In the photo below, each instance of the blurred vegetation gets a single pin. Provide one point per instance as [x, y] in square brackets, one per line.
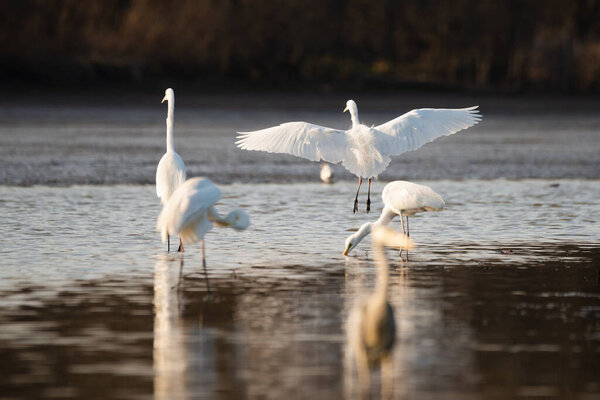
[506, 45]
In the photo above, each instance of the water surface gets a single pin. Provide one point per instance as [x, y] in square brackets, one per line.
[119, 137]
[499, 300]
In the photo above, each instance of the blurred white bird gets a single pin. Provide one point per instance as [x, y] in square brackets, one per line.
[362, 150]
[170, 172]
[326, 173]
[399, 198]
[190, 213]
[371, 329]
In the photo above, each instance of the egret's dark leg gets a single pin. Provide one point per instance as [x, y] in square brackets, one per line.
[356, 197]
[180, 270]
[205, 271]
[369, 197]
[180, 280]
[403, 231]
[408, 235]
[180, 249]
[168, 243]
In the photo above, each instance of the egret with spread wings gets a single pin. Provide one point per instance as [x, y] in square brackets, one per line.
[364, 151]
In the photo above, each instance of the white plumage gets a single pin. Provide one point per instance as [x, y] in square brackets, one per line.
[170, 172]
[408, 198]
[400, 198]
[190, 212]
[364, 151]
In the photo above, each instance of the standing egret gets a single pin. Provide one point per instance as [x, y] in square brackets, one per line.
[326, 173]
[190, 213]
[371, 328]
[400, 198]
[362, 150]
[170, 173]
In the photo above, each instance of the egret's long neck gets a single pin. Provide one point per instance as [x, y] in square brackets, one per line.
[219, 219]
[363, 231]
[354, 116]
[386, 217]
[381, 287]
[214, 216]
[170, 116]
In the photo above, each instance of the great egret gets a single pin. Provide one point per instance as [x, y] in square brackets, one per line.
[170, 172]
[190, 213]
[362, 150]
[326, 173]
[371, 328]
[400, 198]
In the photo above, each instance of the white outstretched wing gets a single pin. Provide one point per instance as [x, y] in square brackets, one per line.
[301, 139]
[418, 127]
[186, 205]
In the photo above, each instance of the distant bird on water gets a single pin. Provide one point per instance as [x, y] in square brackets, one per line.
[364, 151]
[400, 198]
[190, 213]
[371, 329]
[326, 173]
[170, 173]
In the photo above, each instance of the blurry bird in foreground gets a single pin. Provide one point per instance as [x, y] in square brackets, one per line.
[190, 213]
[326, 173]
[170, 172]
[371, 329]
[400, 198]
[364, 151]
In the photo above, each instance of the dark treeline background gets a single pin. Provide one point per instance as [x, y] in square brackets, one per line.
[510, 45]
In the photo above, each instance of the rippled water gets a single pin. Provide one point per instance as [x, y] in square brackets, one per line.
[119, 138]
[499, 300]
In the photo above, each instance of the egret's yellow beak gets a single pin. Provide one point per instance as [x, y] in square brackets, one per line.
[347, 250]
[345, 109]
[164, 98]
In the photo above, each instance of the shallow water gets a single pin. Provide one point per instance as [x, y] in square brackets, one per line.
[119, 137]
[499, 300]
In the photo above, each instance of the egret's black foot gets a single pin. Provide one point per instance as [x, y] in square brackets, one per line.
[368, 205]
[355, 207]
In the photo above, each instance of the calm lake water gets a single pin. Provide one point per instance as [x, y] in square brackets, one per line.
[499, 300]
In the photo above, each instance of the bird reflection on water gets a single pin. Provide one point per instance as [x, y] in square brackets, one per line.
[169, 352]
[371, 328]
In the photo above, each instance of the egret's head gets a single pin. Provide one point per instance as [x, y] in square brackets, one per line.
[353, 240]
[238, 220]
[350, 106]
[169, 95]
[350, 244]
